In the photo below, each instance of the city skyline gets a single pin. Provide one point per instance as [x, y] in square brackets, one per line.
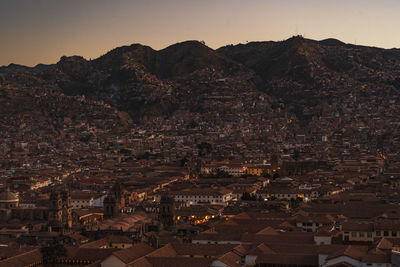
[43, 30]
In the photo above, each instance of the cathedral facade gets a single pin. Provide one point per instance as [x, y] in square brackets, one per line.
[57, 215]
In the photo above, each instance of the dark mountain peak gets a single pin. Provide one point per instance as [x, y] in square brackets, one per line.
[275, 60]
[187, 57]
[296, 39]
[74, 68]
[71, 59]
[72, 63]
[14, 67]
[127, 55]
[128, 50]
[173, 61]
[190, 44]
[300, 44]
[17, 66]
[332, 42]
[43, 66]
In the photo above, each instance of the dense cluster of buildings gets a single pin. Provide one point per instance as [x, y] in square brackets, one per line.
[233, 177]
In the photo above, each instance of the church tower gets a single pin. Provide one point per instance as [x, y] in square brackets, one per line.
[110, 207]
[167, 211]
[60, 211]
[55, 212]
[114, 202]
[66, 209]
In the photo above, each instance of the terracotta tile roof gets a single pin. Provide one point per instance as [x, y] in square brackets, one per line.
[177, 262]
[282, 238]
[250, 226]
[341, 264]
[231, 259]
[95, 264]
[325, 231]
[12, 250]
[286, 225]
[261, 249]
[376, 258]
[354, 226]
[202, 192]
[288, 259]
[78, 237]
[370, 227]
[202, 249]
[316, 218]
[119, 239]
[96, 244]
[126, 222]
[164, 252]
[91, 254]
[267, 231]
[242, 249]
[354, 252]
[26, 258]
[384, 243]
[233, 236]
[130, 254]
[305, 249]
[243, 215]
[141, 262]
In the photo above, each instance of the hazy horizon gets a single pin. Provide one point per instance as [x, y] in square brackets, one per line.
[42, 31]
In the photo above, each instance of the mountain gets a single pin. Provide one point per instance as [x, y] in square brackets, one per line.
[140, 80]
[275, 60]
[189, 76]
[176, 60]
[290, 68]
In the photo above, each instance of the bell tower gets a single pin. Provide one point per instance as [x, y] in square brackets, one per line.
[114, 201]
[167, 211]
[110, 207]
[55, 212]
[66, 209]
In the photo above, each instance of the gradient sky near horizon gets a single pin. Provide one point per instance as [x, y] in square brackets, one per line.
[41, 31]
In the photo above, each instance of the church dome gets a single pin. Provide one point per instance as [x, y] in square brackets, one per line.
[7, 196]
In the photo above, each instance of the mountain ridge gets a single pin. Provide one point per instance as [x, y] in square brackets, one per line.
[142, 81]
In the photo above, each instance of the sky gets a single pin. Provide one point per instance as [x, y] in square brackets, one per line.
[41, 31]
